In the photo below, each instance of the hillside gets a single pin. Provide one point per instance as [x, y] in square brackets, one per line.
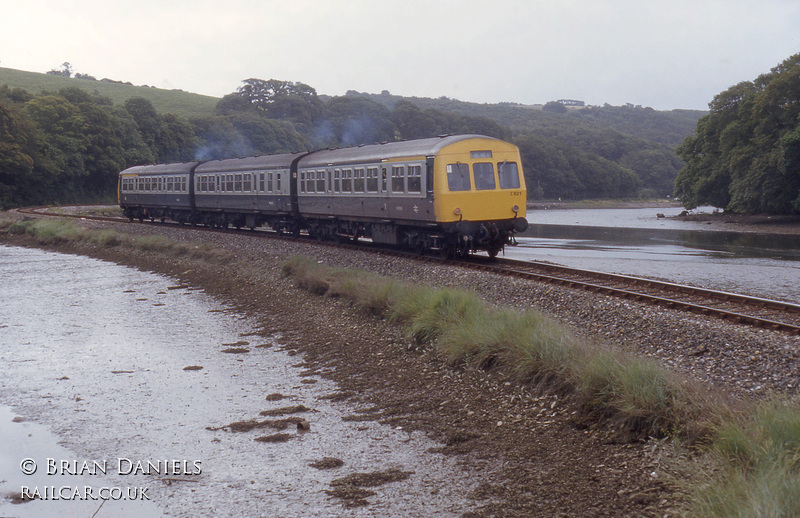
[178, 102]
[611, 152]
[667, 128]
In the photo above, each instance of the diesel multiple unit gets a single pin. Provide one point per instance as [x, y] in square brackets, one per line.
[454, 194]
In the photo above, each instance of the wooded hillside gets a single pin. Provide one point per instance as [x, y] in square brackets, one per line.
[67, 144]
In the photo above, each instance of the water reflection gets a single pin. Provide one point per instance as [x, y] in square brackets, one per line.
[663, 241]
[638, 242]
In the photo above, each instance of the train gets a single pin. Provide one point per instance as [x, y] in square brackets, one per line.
[454, 195]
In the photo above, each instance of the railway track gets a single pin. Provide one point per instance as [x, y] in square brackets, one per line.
[742, 309]
[754, 311]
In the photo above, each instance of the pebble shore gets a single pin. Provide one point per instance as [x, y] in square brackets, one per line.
[511, 434]
[743, 360]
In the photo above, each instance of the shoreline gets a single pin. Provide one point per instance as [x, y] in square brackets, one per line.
[511, 432]
[717, 221]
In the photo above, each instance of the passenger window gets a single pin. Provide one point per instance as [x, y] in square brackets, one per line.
[458, 177]
[229, 187]
[484, 176]
[358, 180]
[320, 181]
[237, 184]
[415, 178]
[398, 179]
[247, 185]
[347, 180]
[372, 179]
[508, 174]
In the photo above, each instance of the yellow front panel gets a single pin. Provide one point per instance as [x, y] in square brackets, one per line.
[474, 204]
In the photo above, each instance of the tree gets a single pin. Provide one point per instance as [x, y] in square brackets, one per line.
[177, 141]
[63, 130]
[66, 70]
[742, 156]
[554, 107]
[17, 152]
[349, 121]
[266, 136]
[234, 103]
[148, 120]
[296, 102]
[412, 122]
[263, 93]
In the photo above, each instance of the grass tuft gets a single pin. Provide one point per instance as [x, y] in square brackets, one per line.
[759, 452]
[640, 396]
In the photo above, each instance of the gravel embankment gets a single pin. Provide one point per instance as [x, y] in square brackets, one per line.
[539, 461]
[741, 359]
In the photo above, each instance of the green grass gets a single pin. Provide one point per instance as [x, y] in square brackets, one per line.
[178, 102]
[759, 456]
[636, 394]
[54, 232]
[756, 448]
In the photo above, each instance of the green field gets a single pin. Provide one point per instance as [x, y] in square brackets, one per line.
[178, 102]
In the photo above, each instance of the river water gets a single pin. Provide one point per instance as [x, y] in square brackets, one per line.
[638, 242]
[93, 386]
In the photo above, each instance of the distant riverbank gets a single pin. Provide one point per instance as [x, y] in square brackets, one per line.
[715, 220]
[601, 204]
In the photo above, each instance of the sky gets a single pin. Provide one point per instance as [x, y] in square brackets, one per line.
[665, 54]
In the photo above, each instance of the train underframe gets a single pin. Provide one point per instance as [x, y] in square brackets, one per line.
[458, 239]
[451, 240]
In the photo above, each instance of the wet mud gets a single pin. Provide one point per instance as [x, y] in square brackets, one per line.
[163, 391]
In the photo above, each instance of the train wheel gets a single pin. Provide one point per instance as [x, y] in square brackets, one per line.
[446, 251]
